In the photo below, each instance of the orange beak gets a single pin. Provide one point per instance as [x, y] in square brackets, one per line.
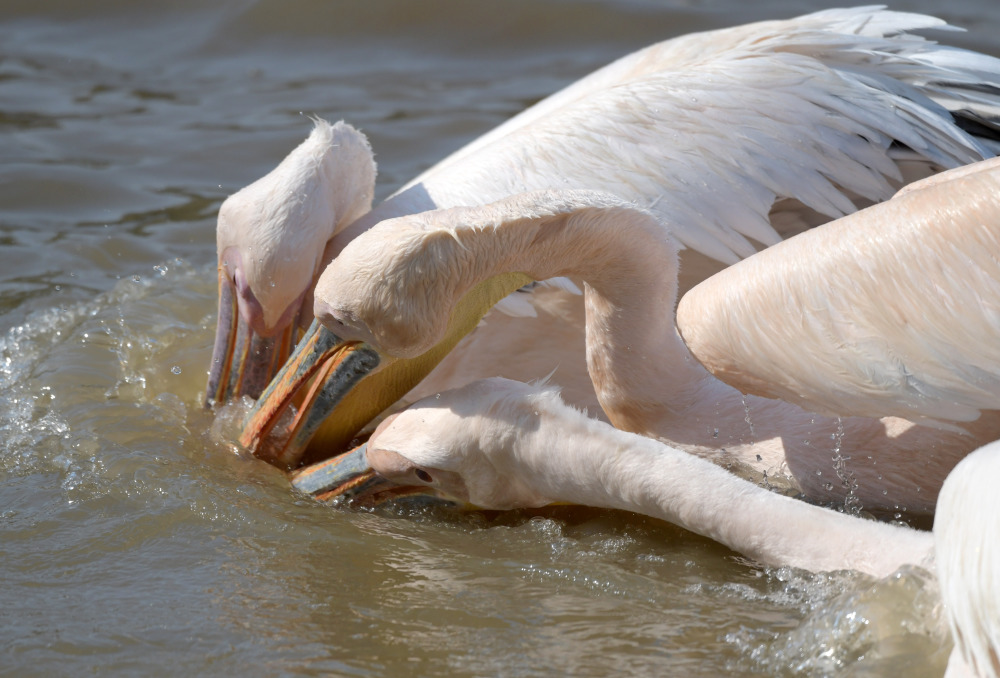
[330, 369]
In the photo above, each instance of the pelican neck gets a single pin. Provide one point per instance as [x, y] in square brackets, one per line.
[615, 469]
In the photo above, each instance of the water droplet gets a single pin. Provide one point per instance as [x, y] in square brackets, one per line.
[827, 486]
[136, 278]
[161, 269]
[852, 504]
[715, 433]
[176, 369]
[746, 418]
[58, 288]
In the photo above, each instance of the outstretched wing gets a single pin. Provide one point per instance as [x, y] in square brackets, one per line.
[894, 310]
[711, 129]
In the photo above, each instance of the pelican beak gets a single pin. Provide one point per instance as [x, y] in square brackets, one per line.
[350, 477]
[349, 384]
[243, 362]
[327, 369]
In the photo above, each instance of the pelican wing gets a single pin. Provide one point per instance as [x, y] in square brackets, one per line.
[692, 49]
[894, 310]
[711, 129]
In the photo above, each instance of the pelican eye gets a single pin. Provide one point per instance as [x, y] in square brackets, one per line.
[424, 476]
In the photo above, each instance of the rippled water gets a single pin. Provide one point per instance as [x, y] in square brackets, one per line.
[135, 540]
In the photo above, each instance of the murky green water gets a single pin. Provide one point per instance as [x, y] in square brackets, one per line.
[134, 540]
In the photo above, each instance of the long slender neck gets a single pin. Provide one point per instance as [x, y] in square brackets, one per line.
[629, 263]
[472, 176]
[593, 464]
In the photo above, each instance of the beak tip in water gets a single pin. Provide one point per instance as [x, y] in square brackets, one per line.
[349, 477]
[323, 367]
[243, 361]
[336, 476]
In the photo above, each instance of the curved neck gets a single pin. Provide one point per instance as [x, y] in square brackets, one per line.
[593, 464]
[629, 263]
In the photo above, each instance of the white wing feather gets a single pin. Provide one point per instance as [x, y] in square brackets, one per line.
[892, 311]
[711, 128]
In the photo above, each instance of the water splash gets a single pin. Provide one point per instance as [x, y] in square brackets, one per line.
[852, 625]
[75, 396]
[746, 418]
[852, 503]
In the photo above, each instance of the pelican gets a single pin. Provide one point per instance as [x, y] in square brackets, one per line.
[753, 132]
[397, 293]
[501, 444]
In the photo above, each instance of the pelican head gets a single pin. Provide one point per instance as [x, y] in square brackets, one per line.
[271, 240]
[461, 445]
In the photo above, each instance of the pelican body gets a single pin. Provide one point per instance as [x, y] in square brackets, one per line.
[968, 563]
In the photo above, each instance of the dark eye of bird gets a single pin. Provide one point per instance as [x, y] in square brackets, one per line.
[424, 475]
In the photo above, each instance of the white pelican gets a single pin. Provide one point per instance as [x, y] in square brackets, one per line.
[501, 444]
[816, 113]
[402, 288]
